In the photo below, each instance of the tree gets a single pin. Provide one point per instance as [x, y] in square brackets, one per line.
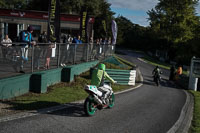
[174, 20]
[71, 6]
[175, 23]
[132, 35]
[106, 14]
[13, 4]
[40, 5]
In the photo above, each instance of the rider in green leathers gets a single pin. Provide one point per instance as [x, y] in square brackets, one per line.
[98, 76]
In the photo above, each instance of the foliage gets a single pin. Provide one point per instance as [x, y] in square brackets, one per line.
[71, 6]
[174, 20]
[104, 14]
[41, 5]
[132, 35]
[195, 126]
[176, 27]
[13, 4]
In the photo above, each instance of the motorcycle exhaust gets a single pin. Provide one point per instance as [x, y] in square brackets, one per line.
[97, 99]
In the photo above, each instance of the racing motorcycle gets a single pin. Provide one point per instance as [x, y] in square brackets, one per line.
[157, 78]
[95, 101]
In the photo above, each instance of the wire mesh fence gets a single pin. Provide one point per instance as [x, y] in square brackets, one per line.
[24, 58]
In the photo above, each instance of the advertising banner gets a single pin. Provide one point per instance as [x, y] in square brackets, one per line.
[83, 26]
[54, 21]
[104, 26]
[114, 31]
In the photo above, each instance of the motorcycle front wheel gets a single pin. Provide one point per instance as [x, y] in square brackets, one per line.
[111, 101]
[89, 106]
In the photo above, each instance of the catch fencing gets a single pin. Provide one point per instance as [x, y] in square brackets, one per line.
[13, 59]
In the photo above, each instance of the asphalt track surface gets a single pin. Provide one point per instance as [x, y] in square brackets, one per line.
[147, 109]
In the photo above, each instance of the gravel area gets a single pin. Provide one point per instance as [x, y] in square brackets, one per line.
[6, 109]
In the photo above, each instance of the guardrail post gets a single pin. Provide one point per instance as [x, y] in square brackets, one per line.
[58, 59]
[32, 58]
[74, 59]
[87, 51]
[104, 50]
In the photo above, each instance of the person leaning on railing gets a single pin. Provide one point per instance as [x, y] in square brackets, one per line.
[6, 46]
[65, 50]
[26, 39]
[48, 55]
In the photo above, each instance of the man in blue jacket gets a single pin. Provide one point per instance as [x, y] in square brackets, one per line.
[77, 40]
[27, 38]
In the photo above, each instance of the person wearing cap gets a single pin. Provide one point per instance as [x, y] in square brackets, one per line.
[98, 77]
[26, 36]
[6, 49]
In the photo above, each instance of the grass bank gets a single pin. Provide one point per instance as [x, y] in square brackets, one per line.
[155, 62]
[195, 127]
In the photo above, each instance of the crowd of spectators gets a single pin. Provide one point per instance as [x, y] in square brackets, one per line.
[18, 54]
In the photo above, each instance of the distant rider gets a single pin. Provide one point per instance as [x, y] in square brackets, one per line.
[98, 76]
[156, 73]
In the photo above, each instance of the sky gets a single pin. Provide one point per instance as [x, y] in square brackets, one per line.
[136, 10]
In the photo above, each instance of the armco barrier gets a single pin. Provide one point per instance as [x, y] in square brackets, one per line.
[39, 81]
[123, 77]
[69, 72]
[14, 86]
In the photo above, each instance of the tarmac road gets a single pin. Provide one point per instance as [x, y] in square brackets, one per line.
[147, 109]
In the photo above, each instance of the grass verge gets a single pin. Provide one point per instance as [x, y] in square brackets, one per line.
[195, 126]
[124, 61]
[155, 62]
[58, 94]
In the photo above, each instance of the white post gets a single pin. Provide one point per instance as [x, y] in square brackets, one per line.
[192, 80]
[18, 30]
[2, 30]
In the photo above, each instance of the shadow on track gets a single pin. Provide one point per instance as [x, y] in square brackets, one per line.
[71, 110]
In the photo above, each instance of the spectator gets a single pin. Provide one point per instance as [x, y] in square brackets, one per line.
[109, 46]
[109, 41]
[65, 50]
[43, 39]
[179, 72]
[105, 45]
[7, 46]
[101, 46]
[98, 46]
[26, 37]
[71, 49]
[91, 48]
[172, 73]
[77, 41]
[48, 55]
[37, 53]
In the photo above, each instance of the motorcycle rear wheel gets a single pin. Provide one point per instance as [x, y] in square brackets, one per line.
[89, 107]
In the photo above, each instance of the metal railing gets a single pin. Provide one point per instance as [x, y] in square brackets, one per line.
[21, 57]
